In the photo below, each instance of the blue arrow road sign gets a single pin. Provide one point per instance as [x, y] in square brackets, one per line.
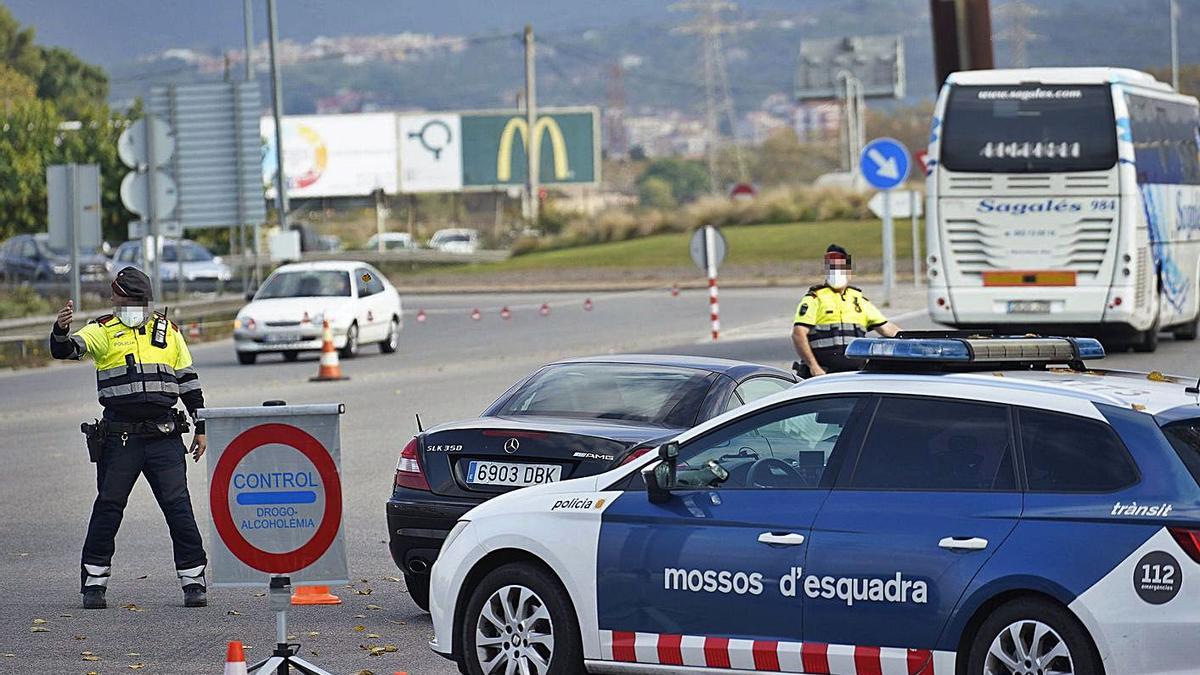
[884, 163]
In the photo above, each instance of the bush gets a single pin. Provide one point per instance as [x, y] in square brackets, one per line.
[19, 301]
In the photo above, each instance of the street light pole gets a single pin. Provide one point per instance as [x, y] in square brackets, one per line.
[281, 202]
[1175, 44]
[532, 139]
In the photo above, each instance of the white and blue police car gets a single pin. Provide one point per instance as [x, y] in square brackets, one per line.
[961, 506]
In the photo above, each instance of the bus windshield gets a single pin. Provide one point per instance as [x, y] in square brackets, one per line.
[1029, 129]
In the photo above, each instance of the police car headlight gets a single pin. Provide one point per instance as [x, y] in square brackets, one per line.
[454, 532]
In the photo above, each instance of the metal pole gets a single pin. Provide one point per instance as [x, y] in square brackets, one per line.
[1175, 44]
[532, 140]
[913, 200]
[380, 216]
[180, 279]
[889, 250]
[248, 24]
[73, 202]
[710, 262]
[152, 217]
[281, 201]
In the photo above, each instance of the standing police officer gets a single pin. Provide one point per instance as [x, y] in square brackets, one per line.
[831, 315]
[142, 368]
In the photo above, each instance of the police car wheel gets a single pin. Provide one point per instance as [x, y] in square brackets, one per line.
[519, 619]
[1030, 636]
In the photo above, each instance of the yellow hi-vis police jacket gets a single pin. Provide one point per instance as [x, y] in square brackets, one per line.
[142, 370]
[834, 318]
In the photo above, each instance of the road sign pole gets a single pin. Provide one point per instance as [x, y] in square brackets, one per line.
[914, 198]
[281, 201]
[533, 141]
[73, 195]
[889, 250]
[152, 203]
[710, 261]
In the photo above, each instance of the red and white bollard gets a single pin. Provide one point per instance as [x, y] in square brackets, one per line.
[674, 290]
[475, 315]
[587, 305]
[714, 306]
[505, 314]
[544, 310]
[420, 316]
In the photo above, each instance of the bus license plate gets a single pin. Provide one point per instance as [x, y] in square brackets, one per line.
[516, 475]
[1029, 307]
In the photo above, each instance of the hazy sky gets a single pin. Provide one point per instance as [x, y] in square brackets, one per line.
[115, 31]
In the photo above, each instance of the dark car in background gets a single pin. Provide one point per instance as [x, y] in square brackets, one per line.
[566, 420]
[29, 258]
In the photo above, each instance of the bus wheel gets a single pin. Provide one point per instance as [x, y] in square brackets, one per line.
[1147, 341]
[1189, 330]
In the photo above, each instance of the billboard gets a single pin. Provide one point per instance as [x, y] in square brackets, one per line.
[485, 150]
[333, 155]
[431, 153]
[876, 60]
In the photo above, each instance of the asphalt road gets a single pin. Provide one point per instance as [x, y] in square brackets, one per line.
[448, 367]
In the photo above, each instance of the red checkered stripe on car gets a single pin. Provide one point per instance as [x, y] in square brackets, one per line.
[812, 658]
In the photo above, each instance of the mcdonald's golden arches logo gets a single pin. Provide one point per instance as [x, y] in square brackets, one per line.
[544, 125]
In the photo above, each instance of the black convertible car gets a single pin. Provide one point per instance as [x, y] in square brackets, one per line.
[568, 419]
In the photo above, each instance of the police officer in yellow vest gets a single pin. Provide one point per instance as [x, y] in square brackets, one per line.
[831, 315]
[142, 368]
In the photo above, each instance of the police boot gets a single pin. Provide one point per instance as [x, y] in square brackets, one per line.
[93, 598]
[194, 596]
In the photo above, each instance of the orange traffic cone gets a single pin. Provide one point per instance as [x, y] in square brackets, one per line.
[314, 595]
[235, 659]
[330, 369]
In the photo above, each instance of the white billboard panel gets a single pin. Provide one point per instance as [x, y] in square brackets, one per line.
[430, 153]
[334, 155]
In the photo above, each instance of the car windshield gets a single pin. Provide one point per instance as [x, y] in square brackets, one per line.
[191, 253]
[1029, 129]
[453, 238]
[655, 394]
[311, 283]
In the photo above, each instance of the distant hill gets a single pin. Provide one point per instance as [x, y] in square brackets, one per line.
[580, 41]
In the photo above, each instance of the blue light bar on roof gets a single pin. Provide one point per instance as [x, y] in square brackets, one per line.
[922, 349]
[977, 350]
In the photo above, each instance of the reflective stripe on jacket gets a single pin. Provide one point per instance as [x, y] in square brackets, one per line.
[834, 318]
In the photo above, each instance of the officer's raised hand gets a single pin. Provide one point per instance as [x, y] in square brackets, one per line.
[199, 445]
[66, 314]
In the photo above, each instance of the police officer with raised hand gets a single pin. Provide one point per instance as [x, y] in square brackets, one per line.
[831, 315]
[142, 368]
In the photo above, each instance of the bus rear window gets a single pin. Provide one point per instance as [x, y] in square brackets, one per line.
[1184, 436]
[1029, 129]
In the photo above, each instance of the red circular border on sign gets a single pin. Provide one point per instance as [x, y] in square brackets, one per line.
[265, 561]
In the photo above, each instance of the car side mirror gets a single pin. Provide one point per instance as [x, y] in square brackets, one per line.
[661, 479]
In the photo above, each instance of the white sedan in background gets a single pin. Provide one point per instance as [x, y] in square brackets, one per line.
[286, 315]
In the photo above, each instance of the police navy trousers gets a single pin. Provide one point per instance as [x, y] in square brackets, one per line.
[162, 460]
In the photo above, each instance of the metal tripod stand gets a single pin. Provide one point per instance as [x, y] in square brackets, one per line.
[284, 658]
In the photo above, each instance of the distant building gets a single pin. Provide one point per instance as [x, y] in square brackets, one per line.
[817, 120]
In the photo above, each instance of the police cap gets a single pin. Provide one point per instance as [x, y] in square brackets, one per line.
[133, 284]
[835, 252]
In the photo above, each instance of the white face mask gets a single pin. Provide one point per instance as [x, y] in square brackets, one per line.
[837, 279]
[132, 316]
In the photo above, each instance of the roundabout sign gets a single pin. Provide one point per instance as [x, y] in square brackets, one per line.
[275, 494]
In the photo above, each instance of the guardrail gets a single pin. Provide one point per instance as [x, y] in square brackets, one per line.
[38, 327]
[420, 255]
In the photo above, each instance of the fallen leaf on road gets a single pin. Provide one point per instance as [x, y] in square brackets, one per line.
[360, 616]
[392, 579]
[91, 657]
[314, 652]
[132, 607]
[365, 672]
[390, 648]
[374, 607]
[363, 591]
[313, 633]
[65, 616]
[92, 672]
[365, 581]
[39, 622]
[144, 576]
[23, 554]
[86, 653]
[136, 666]
[373, 636]
[376, 651]
[233, 612]
[79, 637]
[133, 654]
[260, 595]
[8, 656]
[398, 623]
[39, 629]
[359, 629]
[291, 637]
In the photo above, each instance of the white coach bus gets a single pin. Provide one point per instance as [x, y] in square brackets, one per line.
[1065, 200]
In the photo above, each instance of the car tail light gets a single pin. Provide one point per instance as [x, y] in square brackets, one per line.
[1188, 540]
[635, 453]
[408, 469]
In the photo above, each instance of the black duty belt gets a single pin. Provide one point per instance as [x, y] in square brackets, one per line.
[163, 426]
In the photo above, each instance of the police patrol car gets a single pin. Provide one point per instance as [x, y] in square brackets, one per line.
[960, 506]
